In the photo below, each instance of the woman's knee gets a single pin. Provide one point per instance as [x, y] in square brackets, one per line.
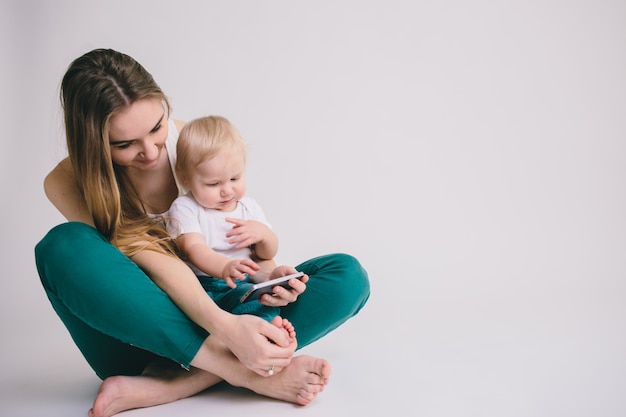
[72, 235]
[357, 284]
[348, 278]
[353, 268]
[351, 271]
[66, 248]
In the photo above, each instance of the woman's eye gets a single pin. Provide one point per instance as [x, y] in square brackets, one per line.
[123, 146]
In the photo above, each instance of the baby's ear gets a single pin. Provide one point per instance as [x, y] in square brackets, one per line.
[182, 177]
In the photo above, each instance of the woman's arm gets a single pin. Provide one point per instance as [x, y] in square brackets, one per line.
[62, 191]
[245, 335]
[178, 281]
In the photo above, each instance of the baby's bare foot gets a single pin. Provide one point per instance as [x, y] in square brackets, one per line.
[286, 325]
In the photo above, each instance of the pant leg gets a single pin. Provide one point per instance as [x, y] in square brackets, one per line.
[227, 298]
[338, 288]
[116, 315]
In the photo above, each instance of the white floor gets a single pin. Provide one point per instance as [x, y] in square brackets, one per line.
[55, 381]
[421, 359]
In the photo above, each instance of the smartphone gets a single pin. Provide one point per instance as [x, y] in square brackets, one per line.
[265, 287]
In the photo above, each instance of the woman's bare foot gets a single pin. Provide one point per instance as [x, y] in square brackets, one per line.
[298, 383]
[161, 382]
[116, 394]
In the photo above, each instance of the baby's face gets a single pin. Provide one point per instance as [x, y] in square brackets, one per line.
[219, 183]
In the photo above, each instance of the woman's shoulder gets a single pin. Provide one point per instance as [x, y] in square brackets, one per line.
[179, 124]
[59, 180]
[61, 189]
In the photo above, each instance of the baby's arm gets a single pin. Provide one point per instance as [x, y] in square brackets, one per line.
[212, 263]
[255, 234]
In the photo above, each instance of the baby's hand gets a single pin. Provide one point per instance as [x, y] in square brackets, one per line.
[236, 269]
[246, 232]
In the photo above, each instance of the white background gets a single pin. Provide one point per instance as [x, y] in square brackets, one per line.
[471, 154]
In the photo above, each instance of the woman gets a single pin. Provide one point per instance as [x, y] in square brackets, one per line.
[137, 313]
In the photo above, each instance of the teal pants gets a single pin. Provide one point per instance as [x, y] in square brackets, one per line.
[120, 320]
[228, 298]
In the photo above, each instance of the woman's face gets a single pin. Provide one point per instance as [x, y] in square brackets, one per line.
[137, 134]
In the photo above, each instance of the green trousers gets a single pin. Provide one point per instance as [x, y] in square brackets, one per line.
[120, 320]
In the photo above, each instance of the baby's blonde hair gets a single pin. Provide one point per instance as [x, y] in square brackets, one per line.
[202, 139]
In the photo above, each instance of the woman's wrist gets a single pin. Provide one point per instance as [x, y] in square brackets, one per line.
[217, 321]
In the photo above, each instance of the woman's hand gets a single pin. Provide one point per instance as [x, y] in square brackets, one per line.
[282, 296]
[259, 345]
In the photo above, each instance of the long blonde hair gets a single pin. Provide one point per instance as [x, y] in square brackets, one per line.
[97, 85]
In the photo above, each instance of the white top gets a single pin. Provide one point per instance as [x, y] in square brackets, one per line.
[187, 216]
[170, 145]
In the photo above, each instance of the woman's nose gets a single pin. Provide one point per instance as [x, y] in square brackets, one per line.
[150, 150]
